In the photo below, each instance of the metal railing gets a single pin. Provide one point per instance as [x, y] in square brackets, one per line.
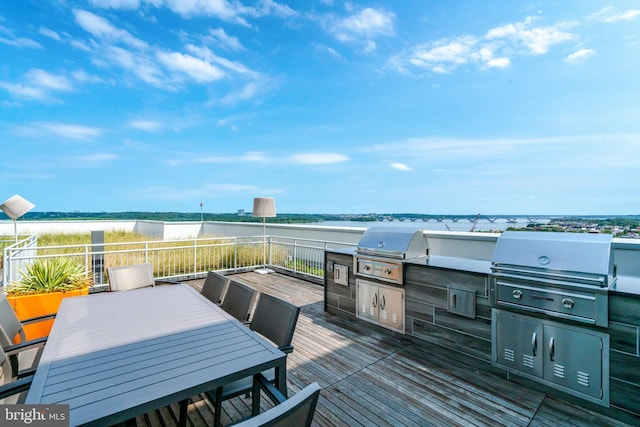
[180, 259]
[19, 252]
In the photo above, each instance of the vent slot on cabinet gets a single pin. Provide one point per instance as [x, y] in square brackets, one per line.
[558, 370]
[583, 378]
[509, 355]
[527, 360]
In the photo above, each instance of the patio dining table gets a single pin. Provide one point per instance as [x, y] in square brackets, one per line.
[116, 355]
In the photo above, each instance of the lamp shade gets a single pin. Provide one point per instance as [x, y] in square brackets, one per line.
[16, 206]
[264, 207]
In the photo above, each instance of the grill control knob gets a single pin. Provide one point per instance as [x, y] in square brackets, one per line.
[387, 271]
[568, 303]
[517, 294]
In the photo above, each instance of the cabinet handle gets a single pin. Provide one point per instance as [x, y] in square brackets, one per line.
[552, 349]
[382, 302]
[374, 300]
[534, 344]
[453, 299]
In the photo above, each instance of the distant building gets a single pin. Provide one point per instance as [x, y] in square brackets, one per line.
[241, 212]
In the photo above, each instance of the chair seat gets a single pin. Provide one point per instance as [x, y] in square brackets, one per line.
[29, 358]
[241, 386]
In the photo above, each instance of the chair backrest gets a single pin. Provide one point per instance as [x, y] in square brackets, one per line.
[238, 300]
[8, 376]
[213, 287]
[275, 319]
[130, 277]
[296, 411]
[10, 326]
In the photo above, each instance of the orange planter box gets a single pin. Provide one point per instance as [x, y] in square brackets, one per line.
[28, 306]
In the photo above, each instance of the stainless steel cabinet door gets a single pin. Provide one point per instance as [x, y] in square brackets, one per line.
[391, 307]
[573, 360]
[519, 344]
[368, 300]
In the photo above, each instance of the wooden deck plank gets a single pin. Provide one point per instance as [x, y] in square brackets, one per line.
[371, 378]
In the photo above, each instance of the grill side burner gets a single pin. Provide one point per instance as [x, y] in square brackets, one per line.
[565, 275]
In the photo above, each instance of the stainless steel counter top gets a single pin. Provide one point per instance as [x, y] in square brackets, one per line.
[627, 285]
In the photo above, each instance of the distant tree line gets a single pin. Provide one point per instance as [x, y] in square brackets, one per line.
[174, 216]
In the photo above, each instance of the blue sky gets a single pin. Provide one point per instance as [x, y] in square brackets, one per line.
[423, 106]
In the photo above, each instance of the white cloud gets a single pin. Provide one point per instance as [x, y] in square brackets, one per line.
[608, 15]
[49, 33]
[197, 69]
[84, 133]
[139, 64]
[116, 4]
[362, 27]
[26, 92]
[207, 55]
[499, 63]
[39, 85]
[95, 158]
[495, 49]
[538, 40]
[146, 125]
[271, 8]
[21, 42]
[105, 31]
[47, 81]
[401, 167]
[181, 193]
[83, 77]
[317, 158]
[220, 38]
[580, 55]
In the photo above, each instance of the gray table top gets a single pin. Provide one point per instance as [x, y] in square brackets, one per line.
[113, 356]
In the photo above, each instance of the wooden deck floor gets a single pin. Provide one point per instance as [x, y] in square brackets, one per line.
[371, 379]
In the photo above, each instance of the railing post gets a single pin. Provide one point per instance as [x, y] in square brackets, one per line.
[195, 255]
[235, 253]
[295, 255]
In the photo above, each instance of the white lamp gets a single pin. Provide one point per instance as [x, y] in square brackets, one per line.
[14, 207]
[264, 207]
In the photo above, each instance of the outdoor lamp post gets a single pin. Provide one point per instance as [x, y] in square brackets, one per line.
[264, 207]
[14, 207]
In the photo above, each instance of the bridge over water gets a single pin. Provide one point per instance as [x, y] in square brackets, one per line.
[512, 219]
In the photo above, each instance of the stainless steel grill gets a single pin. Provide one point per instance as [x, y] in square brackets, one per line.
[382, 250]
[563, 275]
[379, 268]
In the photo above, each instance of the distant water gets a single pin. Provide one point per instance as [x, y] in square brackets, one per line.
[463, 224]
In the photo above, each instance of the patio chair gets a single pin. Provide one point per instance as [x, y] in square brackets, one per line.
[274, 319]
[22, 353]
[214, 286]
[132, 277]
[295, 411]
[238, 300]
[13, 384]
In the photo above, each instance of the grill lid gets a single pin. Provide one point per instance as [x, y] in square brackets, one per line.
[562, 252]
[393, 242]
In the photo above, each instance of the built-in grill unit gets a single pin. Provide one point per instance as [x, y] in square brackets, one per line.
[564, 275]
[378, 265]
[382, 250]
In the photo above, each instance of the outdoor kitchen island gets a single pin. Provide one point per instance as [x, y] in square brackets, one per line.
[449, 302]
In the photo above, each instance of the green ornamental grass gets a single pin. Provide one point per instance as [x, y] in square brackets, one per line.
[51, 275]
